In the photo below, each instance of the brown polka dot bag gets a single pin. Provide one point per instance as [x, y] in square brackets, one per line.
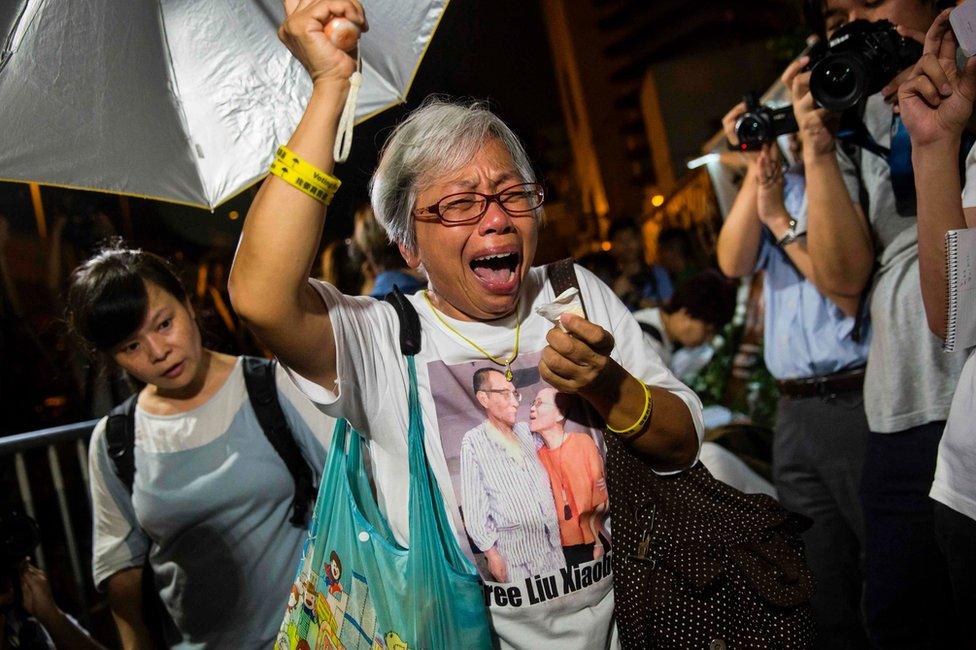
[698, 564]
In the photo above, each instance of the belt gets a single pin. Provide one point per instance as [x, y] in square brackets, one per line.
[825, 386]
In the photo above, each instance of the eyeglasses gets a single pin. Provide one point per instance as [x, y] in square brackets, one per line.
[507, 393]
[467, 207]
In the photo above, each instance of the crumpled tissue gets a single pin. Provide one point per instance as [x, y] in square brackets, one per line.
[568, 301]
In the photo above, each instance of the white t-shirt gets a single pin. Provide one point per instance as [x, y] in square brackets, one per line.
[663, 346]
[909, 381]
[955, 479]
[571, 607]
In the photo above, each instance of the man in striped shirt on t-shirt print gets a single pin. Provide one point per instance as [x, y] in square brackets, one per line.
[505, 492]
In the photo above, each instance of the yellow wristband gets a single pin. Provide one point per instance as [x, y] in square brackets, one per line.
[304, 176]
[637, 426]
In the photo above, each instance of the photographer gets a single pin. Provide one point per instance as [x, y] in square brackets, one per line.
[29, 617]
[936, 104]
[637, 284]
[36, 621]
[821, 430]
[873, 253]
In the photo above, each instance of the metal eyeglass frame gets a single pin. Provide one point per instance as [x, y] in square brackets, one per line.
[512, 393]
[435, 210]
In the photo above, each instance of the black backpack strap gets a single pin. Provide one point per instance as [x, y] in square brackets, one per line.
[562, 276]
[409, 322]
[651, 331]
[120, 439]
[259, 377]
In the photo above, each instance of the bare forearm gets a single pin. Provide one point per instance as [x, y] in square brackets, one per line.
[838, 237]
[799, 253]
[738, 242]
[66, 633]
[125, 601]
[283, 227]
[669, 439]
[940, 209]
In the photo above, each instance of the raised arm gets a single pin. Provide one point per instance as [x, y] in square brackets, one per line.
[39, 602]
[740, 237]
[773, 215]
[838, 235]
[269, 279]
[936, 103]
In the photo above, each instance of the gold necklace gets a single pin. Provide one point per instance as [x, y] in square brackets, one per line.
[489, 356]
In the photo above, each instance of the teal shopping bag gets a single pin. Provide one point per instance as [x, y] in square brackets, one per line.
[357, 588]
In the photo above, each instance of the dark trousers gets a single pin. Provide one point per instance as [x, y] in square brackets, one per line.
[818, 455]
[908, 600]
[956, 534]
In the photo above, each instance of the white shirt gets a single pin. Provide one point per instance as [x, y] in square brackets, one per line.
[372, 395]
[955, 477]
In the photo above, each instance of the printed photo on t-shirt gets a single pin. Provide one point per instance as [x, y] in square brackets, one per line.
[527, 466]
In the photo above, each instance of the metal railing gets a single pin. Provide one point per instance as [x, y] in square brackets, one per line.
[72, 434]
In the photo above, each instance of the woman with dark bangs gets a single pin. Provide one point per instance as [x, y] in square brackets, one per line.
[207, 513]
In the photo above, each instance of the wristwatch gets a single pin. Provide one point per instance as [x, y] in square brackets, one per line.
[790, 236]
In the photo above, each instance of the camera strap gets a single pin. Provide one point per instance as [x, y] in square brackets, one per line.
[854, 132]
[899, 157]
[902, 172]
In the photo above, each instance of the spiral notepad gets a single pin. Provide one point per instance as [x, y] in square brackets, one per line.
[961, 274]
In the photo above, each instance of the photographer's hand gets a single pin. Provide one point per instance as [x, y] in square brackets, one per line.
[838, 238]
[773, 213]
[937, 100]
[38, 601]
[936, 104]
[728, 126]
[791, 72]
[817, 125]
[769, 198]
[740, 238]
[890, 91]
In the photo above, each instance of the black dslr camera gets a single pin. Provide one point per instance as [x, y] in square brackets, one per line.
[762, 124]
[858, 61]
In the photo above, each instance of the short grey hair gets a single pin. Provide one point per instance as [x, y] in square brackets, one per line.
[436, 139]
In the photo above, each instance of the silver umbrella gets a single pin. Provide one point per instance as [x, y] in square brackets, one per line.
[177, 100]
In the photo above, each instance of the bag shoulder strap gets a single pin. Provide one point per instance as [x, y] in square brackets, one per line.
[651, 331]
[120, 439]
[409, 322]
[562, 276]
[259, 378]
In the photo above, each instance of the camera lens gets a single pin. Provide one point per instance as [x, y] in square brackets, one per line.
[751, 130]
[837, 82]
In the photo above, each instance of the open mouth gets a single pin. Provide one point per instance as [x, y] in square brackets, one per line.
[498, 272]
